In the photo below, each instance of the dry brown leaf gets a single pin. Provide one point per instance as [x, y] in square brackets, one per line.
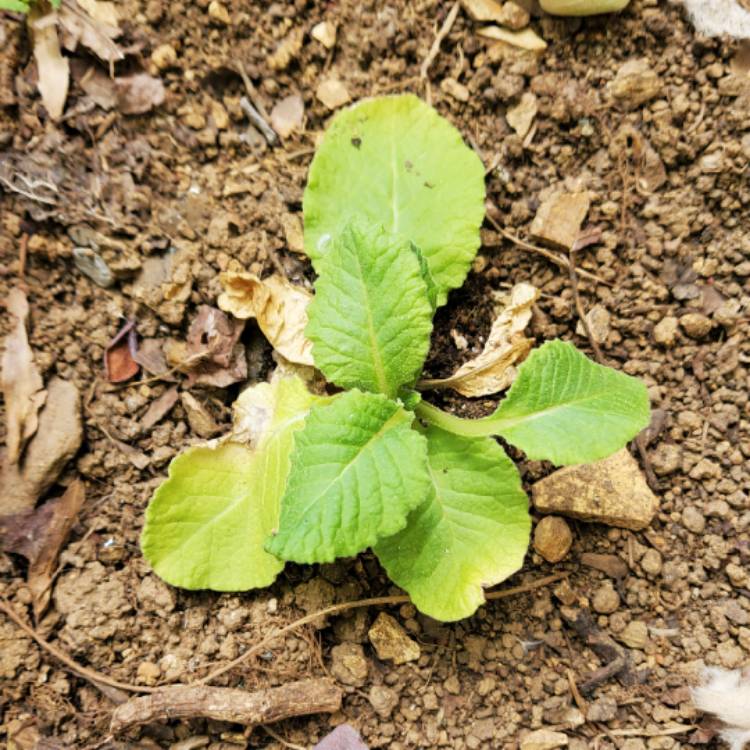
[492, 370]
[23, 388]
[279, 307]
[93, 25]
[139, 93]
[159, 408]
[119, 362]
[39, 535]
[521, 115]
[56, 441]
[52, 68]
[214, 354]
[526, 39]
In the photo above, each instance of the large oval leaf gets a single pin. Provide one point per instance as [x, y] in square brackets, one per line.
[358, 469]
[395, 161]
[206, 525]
[472, 533]
[370, 319]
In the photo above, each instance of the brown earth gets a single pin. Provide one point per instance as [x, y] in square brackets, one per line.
[668, 180]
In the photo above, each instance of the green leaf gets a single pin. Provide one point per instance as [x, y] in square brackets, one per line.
[358, 468]
[370, 319]
[14, 5]
[395, 161]
[472, 533]
[206, 525]
[432, 290]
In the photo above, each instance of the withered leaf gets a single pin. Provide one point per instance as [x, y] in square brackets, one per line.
[139, 93]
[93, 25]
[119, 361]
[22, 384]
[39, 535]
[159, 408]
[279, 307]
[213, 349]
[53, 69]
[493, 370]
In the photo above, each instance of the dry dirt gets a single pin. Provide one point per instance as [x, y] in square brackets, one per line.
[670, 193]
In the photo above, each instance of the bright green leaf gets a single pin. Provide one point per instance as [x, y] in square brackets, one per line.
[370, 319]
[562, 408]
[206, 525]
[358, 468]
[472, 533]
[395, 161]
[14, 5]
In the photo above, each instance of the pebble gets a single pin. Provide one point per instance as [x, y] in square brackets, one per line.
[635, 83]
[613, 566]
[603, 709]
[559, 217]
[287, 115]
[598, 320]
[332, 93]
[325, 33]
[693, 520]
[666, 459]
[730, 654]
[718, 509]
[612, 491]
[521, 116]
[696, 325]
[635, 634]
[455, 89]
[553, 538]
[148, 673]
[164, 56]
[651, 562]
[383, 700]
[391, 641]
[605, 600]
[543, 739]
[91, 264]
[665, 331]
[737, 575]
[199, 418]
[706, 469]
[219, 13]
[349, 665]
[219, 115]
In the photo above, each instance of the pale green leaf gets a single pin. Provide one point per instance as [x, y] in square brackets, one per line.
[358, 468]
[395, 161]
[14, 5]
[370, 319]
[207, 523]
[472, 533]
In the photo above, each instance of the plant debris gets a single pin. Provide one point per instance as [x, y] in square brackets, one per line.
[344, 737]
[119, 355]
[726, 694]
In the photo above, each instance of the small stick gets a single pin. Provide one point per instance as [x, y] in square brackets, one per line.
[445, 29]
[257, 120]
[556, 259]
[281, 740]
[22, 255]
[299, 698]
[579, 309]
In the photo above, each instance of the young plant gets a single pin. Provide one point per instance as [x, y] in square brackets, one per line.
[392, 212]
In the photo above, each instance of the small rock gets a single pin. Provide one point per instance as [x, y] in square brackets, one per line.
[598, 319]
[91, 264]
[612, 491]
[508, 14]
[344, 737]
[706, 469]
[148, 673]
[219, 13]
[730, 654]
[522, 114]
[455, 89]
[666, 459]
[605, 600]
[452, 685]
[558, 219]
[543, 739]
[693, 520]
[603, 709]
[287, 115]
[349, 665]
[325, 33]
[219, 115]
[665, 331]
[383, 700]
[696, 325]
[194, 120]
[288, 49]
[635, 634]
[164, 56]
[651, 562]
[611, 565]
[391, 641]
[738, 576]
[513, 16]
[635, 83]
[552, 538]
[200, 420]
[332, 93]
[293, 232]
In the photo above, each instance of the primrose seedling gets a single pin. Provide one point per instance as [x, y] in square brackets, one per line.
[392, 212]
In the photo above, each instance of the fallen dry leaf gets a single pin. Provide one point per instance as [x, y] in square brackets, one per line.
[55, 442]
[492, 370]
[52, 68]
[150, 356]
[92, 25]
[279, 307]
[139, 93]
[159, 408]
[119, 361]
[526, 39]
[23, 388]
[39, 535]
[214, 354]
[522, 114]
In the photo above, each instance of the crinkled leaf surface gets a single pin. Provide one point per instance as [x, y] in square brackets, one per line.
[395, 161]
[567, 409]
[206, 525]
[370, 319]
[358, 468]
[473, 532]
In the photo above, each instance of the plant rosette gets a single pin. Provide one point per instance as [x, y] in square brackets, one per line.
[392, 212]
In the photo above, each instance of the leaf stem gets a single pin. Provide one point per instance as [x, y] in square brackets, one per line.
[458, 426]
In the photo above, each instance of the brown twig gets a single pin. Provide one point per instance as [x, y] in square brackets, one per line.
[579, 308]
[281, 740]
[558, 260]
[301, 698]
[23, 247]
[445, 29]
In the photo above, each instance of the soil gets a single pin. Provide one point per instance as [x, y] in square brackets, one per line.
[674, 241]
